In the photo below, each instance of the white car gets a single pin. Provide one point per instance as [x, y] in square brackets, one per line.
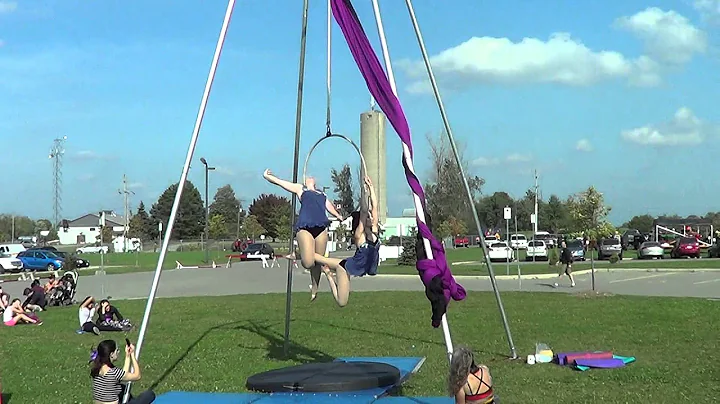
[536, 249]
[8, 263]
[92, 250]
[499, 251]
[518, 242]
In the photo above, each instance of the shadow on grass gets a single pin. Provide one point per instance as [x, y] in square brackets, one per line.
[276, 344]
[5, 398]
[187, 352]
[400, 337]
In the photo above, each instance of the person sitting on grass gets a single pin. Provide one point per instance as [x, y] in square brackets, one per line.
[110, 319]
[86, 314]
[468, 382]
[366, 259]
[52, 284]
[15, 315]
[35, 297]
[4, 300]
[107, 379]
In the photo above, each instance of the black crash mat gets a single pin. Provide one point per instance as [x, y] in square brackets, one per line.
[325, 377]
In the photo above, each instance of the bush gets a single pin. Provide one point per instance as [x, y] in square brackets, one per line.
[70, 262]
[553, 257]
[614, 258]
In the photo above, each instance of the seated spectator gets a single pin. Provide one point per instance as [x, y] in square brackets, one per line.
[35, 300]
[4, 300]
[86, 314]
[108, 380]
[52, 284]
[110, 319]
[468, 382]
[15, 315]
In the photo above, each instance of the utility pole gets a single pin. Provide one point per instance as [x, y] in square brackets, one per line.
[535, 226]
[12, 236]
[125, 192]
[207, 208]
[237, 230]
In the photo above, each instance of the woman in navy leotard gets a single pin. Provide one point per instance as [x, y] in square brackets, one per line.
[312, 223]
[367, 247]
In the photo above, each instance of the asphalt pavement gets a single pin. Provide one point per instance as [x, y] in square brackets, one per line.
[252, 278]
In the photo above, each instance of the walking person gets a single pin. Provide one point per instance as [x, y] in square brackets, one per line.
[566, 259]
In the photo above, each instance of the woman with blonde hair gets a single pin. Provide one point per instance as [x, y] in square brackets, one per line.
[468, 382]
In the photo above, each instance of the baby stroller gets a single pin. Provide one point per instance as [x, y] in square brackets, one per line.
[64, 293]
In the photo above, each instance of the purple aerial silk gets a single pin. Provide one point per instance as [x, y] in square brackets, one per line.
[380, 88]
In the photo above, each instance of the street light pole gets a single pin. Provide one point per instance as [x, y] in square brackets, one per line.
[207, 208]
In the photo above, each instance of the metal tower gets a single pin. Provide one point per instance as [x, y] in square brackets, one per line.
[125, 192]
[56, 154]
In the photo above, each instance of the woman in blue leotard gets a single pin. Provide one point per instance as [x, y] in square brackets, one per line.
[312, 223]
[365, 261]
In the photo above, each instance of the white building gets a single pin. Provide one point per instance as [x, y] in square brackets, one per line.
[86, 229]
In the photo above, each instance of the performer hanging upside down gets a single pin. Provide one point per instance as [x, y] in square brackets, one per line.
[312, 223]
[367, 247]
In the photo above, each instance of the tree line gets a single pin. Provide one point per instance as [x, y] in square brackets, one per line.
[271, 215]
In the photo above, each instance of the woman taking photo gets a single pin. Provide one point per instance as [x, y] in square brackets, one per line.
[107, 380]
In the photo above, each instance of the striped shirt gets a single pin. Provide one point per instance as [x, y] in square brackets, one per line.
[106, 388]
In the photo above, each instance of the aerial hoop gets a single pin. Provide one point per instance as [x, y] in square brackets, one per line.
[363, 195]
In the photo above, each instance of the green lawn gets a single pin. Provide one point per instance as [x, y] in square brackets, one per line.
[215, 343]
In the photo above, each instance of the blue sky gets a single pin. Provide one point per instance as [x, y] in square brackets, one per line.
[620, 95]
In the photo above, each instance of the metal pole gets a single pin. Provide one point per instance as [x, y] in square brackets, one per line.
[518, 257]
[298, 121]
[446, 123]
[207, 215]
[507, 234]
[181, 184]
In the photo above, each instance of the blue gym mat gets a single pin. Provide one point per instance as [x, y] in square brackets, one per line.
[407, 367]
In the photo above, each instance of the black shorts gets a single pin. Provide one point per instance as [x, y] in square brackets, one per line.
[314, 231]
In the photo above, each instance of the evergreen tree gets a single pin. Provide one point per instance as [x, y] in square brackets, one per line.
[227, 205]
[190, 219]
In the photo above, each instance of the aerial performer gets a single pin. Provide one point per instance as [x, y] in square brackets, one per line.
[311, 225]
[366, 238]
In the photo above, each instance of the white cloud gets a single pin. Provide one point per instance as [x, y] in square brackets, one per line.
[560, 60]
[669, 40]
[709, 9]
[7, 7]
[668, 36]
[684, 129]
[510, 159]
[583, 145]
[224, 171]
[136, 185]
[89, 155]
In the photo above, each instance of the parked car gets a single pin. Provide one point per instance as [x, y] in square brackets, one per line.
[255, 250]
[714, 251]
[608, 247]
[629, 238]
[79, 262]
[38, 260]
[462, 241]
[499, 251]
[8, 263]
[536, 249]
[650, 249]
[686, 247]
[518, 242]
[576, 249]
[92, 250]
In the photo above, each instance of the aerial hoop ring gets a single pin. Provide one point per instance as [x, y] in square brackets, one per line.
[363, 194]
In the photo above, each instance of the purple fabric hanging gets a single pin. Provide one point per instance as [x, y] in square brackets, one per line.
[432, 272]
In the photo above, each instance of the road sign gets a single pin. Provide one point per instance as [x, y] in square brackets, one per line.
[507, 213]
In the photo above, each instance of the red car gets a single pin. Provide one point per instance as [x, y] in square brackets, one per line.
[686, 247]
[461, 241]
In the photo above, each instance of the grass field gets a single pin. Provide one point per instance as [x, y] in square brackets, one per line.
[214, 344]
